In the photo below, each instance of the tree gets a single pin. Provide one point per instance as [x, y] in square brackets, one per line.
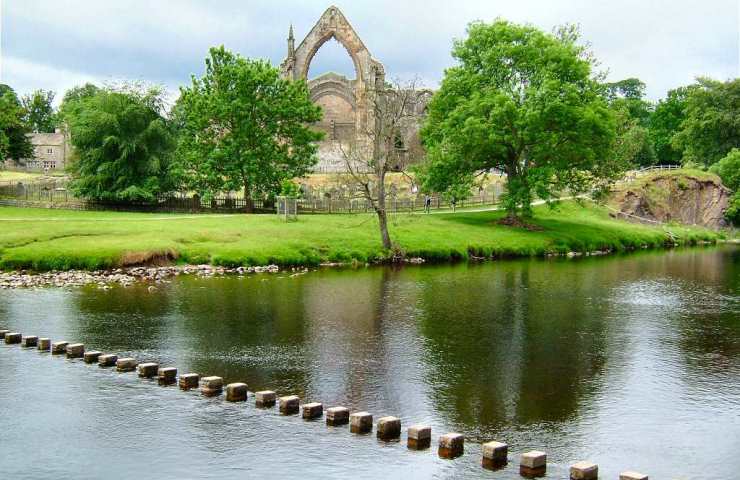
[243, 127]
[380, 148]
[711, 128]
[633, 113]
[73, 97]
[14, 141]
[123, 143]
[665, 122]
[38, 112]
[524, 102]
[728, 170]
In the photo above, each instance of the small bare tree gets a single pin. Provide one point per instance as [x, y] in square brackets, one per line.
[381, 147]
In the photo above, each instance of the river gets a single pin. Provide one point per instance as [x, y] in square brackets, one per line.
[632, 362]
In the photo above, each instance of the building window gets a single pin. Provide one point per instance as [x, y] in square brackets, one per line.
[49, 151]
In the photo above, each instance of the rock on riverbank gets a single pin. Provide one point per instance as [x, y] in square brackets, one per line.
[119, 276]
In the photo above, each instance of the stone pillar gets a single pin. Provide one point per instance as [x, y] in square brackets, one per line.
[75, 350]
[336, 416]
[148, 370]
[289, 405]
[361, 422]
[265, 399]
[58, 348]
[30, 341]
[420, 437]
[451, 445]
[533, 464]
[92, 357]
[584, 471]
[312, 411]
[389, 428]
[212, 386]
[495, 455]
[44, 344]
[167, 376]
[13, 338]
[189, 381]
[236, 392]
[108, 360]
[126, 364]
[632, 476]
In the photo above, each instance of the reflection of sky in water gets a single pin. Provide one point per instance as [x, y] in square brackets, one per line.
[631, 362]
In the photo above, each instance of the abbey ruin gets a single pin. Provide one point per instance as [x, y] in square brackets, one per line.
[347, 103]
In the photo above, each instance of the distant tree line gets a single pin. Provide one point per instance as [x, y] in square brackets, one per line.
[520, 100]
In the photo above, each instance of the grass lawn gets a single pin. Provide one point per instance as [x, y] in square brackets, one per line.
[42, 239]
[9, 176]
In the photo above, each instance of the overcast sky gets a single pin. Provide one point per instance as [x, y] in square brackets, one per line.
[56, 44]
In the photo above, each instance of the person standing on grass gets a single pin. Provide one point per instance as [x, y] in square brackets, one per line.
[427, 204]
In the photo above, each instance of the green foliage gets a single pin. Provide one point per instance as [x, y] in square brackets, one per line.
[39, 114]
[123, 143]
[711, 127]
[72, 100]
[244, 127]
[633, 113]
[665, 122]
[524, 102]
[290, 189]
[108, 239]
[728, 170]
[14, 142]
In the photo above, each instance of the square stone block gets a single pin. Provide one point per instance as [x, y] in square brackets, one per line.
[419, 437]
[167, 376]
[30, 341]
[388, 428]
[13, 338]
[336, 416]
[75, 350]
[148, 370]
[495, 454]
[629, 475]
[361, 422]
[289, 405]
[211, 386]
[189, 381]
[533, 459]
[44, 344]
[236, 392]
[58, 348]
[265, 399]
[584, 471]
[92, 357]
[107, 360]
[451, 445]
[313, 410]
[126, 364]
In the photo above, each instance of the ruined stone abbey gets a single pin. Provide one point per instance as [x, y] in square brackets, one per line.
[347, 104]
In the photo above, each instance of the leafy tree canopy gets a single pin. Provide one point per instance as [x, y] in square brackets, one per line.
[728, 170]
[665, 122]
[14, 142]
[711, 128]
[525, 102]
[123, 144]
[39, 114]
[243, 127]
[73, 97]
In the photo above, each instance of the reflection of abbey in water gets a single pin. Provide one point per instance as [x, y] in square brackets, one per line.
[347, 104]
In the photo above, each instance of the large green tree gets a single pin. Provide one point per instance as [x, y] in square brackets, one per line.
[14, 142]
[525, 102]
[38, 111]
[243, 127]
[711, 128]
[123, 144]
[665, 122]
[633, 113]
[728, 169]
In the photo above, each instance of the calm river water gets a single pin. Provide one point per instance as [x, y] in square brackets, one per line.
[632, 362]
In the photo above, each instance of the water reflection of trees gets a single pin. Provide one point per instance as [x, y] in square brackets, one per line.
[516, 344]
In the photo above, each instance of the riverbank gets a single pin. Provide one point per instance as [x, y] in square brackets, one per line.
[43, 240]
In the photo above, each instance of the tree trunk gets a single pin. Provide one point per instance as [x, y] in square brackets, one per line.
[382, 214]
[248, 203]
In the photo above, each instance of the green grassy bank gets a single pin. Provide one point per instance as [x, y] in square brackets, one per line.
[41, 239]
